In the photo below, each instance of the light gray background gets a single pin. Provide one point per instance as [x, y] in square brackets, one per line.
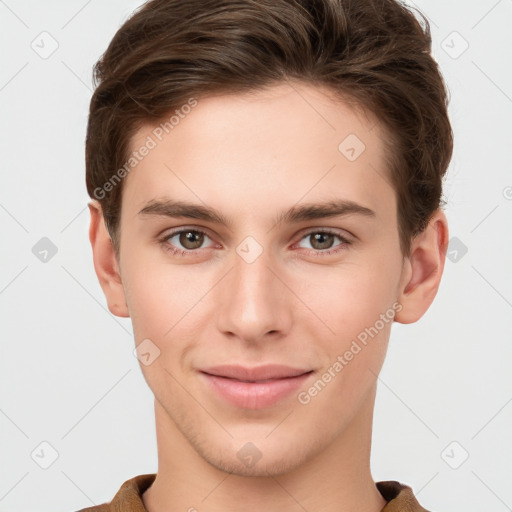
[68, 374]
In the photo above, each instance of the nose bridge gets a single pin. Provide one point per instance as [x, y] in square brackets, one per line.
[252, 302]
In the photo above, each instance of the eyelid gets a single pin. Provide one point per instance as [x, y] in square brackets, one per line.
[342, 233]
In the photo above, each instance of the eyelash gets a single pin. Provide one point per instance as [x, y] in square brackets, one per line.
[180, 252]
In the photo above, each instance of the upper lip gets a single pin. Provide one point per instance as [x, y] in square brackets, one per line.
[258, 373]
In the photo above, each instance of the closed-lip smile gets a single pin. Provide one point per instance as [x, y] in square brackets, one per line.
[257, 387]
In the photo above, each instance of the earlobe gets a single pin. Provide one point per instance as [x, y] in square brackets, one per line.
[105, 262]
[423, 270]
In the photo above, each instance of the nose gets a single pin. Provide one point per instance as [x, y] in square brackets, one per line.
[253, 303]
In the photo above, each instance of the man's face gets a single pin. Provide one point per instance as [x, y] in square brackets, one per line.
[302, 292]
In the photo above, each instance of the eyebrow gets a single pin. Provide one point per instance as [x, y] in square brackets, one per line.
[304, 212]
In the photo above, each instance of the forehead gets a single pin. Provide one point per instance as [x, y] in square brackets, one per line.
[263, 148]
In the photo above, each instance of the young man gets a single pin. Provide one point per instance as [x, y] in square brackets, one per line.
[266, 183]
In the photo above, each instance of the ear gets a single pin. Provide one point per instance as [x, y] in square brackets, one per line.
[105, 262]
[423, 269]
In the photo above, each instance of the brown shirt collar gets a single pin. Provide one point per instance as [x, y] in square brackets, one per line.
[129, 497]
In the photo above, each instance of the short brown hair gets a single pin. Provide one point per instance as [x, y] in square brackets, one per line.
[375, 52]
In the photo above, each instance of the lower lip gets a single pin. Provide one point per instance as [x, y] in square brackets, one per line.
[255, 395]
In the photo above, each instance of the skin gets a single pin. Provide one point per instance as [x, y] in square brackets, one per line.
[252, 156]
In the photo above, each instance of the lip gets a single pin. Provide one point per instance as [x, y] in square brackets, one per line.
[254, 388]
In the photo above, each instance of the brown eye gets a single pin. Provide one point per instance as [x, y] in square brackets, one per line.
[191, 239]
[321, 240]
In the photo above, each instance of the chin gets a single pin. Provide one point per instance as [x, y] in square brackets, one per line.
[250, 461]
[270, 468]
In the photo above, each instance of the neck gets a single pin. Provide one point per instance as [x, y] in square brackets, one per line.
[336, 480]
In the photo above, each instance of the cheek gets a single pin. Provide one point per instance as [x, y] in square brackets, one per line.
[359, 310]
[347, 299]
[159, 294]
[167, 306]
[161, 303]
